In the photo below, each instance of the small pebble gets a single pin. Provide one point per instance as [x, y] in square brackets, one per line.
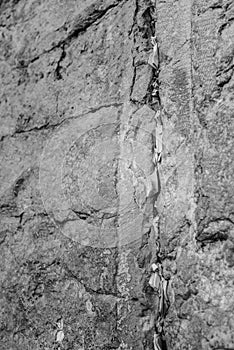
[60, 336]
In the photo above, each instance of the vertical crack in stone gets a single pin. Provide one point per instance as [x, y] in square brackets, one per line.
[157, 285]
[141, 31]
[57, 73]
[134, 43]
[157, 280]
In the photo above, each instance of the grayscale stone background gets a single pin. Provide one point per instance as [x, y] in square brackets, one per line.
[77, 126]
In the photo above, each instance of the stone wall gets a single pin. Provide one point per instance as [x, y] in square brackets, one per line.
[116, 188]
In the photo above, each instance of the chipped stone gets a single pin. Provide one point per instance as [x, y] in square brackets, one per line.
[155, 281]
[153, 60]
[154, 267]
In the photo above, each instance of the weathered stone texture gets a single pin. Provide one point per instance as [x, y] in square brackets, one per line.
[107, 241]
[197, 202]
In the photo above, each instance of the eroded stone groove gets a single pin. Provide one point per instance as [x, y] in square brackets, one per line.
[155, 286]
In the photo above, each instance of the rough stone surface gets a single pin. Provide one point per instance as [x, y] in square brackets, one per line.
[116, 186]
